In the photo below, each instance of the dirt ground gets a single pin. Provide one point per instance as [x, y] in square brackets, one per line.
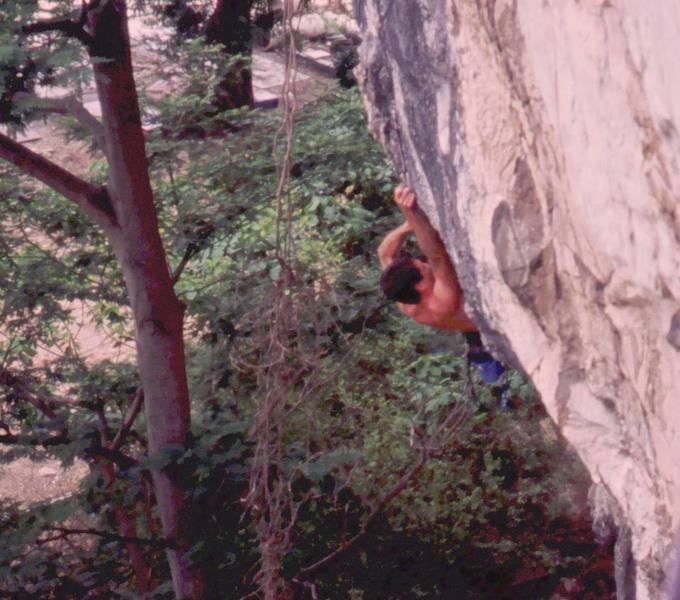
[28, 482]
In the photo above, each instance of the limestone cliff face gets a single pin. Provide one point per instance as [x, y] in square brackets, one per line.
[542, 139]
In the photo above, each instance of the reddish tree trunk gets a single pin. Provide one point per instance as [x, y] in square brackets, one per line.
[125, 211]
[126, 528]
[157, 313]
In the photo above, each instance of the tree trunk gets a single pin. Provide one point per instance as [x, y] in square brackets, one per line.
[126, 525]
[126, 213]
[157, 313]
[230, 25]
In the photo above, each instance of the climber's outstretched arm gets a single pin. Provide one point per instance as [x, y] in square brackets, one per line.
[428, 239]
[447, 290]
[390, 246]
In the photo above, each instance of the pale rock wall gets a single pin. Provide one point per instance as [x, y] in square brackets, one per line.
[542, 139]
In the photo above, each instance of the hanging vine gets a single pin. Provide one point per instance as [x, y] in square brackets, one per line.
[282, 352]
[281, 359]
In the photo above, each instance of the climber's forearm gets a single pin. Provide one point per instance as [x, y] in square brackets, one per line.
[391, 245]
[427, 237]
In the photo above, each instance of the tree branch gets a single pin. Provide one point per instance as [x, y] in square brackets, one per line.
[399, 487]
[95, 451]
[23, 389]
[130, 417]
[113, 456]
[63, 532]
[69, 27]
[20, 389]
[191, 251]
[56, 440]
[67, 106]
[432, 447]
[109, 451]
[94, 200]
[103, 426]
[9, 439]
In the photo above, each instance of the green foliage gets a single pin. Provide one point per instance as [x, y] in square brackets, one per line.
[38, 561]
[44, 60]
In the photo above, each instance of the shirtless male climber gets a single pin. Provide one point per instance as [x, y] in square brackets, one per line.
[427, 289]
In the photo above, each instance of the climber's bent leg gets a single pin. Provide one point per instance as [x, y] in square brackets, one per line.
[489, 369]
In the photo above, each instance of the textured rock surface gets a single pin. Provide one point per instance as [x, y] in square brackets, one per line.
[542, 140]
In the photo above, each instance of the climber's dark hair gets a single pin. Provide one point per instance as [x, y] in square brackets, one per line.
[398, 281]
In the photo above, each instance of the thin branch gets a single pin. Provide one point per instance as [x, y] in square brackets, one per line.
[21, 389]
[191, 251]
[399, 487]
[56, 440]
[10, 346]
[68, 27]
[94, 200]
[433, 446]
[130, 417]
[103, 426]
[96, 451]
[44, 403]
[62, 401]
[114, 456]
[68, 105]
[63, 532]
[61, 439]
